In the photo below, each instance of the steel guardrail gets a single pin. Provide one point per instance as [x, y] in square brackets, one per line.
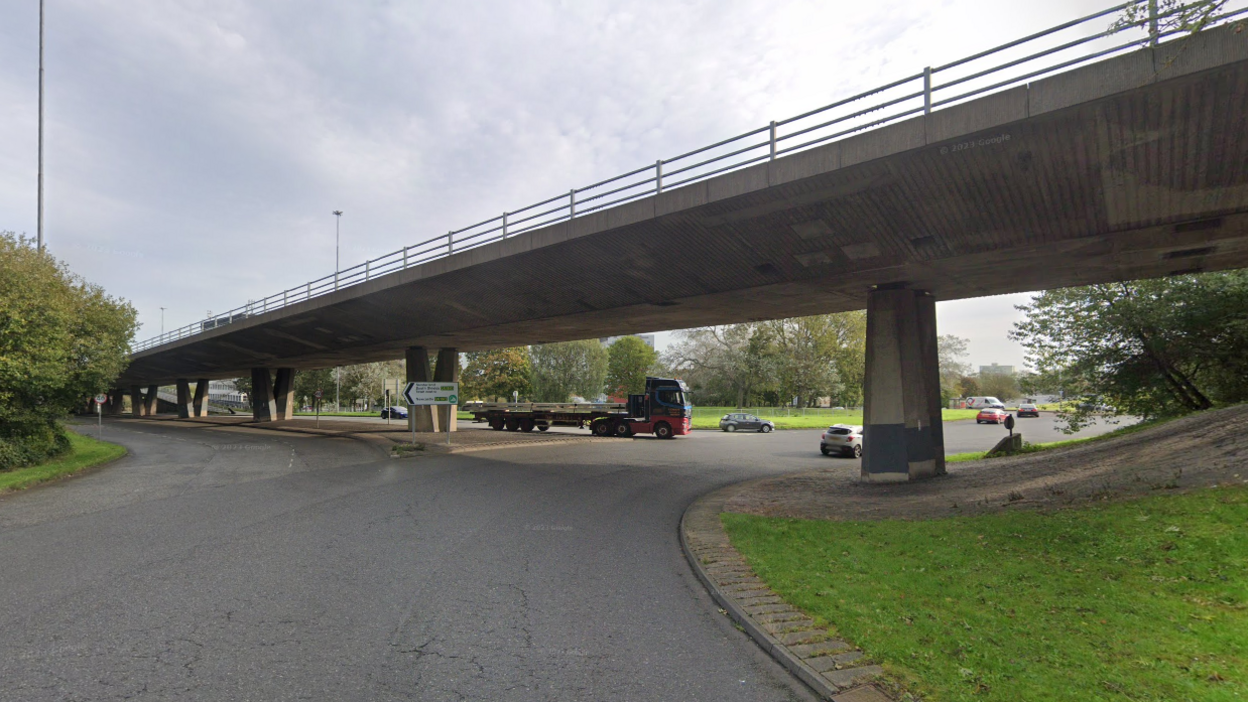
[919, 93]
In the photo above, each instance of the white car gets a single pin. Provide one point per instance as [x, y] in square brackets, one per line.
[842, 439]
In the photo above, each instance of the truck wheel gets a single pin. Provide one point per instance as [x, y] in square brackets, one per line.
[526, 425]
[622, 428]
[543, 427]
[663, 430]
[512, 424]
[601, 427]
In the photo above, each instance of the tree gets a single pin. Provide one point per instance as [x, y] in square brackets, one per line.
[363, 382]
[496, 373]
[307, 382]
[1149, 348]
[950, 351]
[998, 385]
[568, 368]
[62, 340]
[629, 361]
[726, 364]
[806, 350]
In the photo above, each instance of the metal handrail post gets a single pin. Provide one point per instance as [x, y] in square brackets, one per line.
[773, 140]
[658, 176]
[504, 225]
[927, 90]
[450, 243]
[572, 203]
[405, 257]
[367, 266]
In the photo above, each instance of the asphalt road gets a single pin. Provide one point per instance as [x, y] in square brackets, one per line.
[235, 564]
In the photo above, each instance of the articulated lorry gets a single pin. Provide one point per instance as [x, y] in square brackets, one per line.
[663, 410]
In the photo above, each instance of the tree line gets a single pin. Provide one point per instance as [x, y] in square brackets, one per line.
[62, 340]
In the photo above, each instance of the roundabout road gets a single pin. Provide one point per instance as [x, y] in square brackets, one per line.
[240, 564]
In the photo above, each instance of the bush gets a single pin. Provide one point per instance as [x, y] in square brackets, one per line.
[27, 442]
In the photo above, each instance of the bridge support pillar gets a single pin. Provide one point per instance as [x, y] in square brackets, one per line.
[113, 406]
[136, 401]
[284, 393]
[151, 400]
[419, 418]
[447, 371]
[263, 406]
[903, 438]
[199, 404]
[184, 398]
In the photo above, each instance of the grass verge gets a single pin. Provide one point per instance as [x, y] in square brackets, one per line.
[84, 452]
[1136, 601]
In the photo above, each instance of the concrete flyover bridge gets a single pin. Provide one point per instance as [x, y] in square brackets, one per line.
[1061, 159]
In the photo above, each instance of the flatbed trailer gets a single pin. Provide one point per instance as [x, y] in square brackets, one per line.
[663, 411]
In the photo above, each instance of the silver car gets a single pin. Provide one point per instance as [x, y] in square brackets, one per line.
[739, 421]
[842, 439]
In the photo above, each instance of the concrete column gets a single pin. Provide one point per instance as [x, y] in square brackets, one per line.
[199, 405]
[263, 407]
[447, 370]
[284, 393]
[418, 371]
[903, 435]
[136, 401]
[151, 401]
[113, 406]
[184, 398]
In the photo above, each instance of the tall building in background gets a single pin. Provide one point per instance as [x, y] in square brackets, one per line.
[994, 369]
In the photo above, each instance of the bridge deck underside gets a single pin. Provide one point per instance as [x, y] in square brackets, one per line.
[1142, 183]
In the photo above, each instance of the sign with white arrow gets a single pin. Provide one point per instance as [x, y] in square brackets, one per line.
[436, 393]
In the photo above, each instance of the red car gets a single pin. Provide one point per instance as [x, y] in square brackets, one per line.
[991, 416]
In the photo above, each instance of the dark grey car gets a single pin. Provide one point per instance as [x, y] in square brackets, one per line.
[740, 421]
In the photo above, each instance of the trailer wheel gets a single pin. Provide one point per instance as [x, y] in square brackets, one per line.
[622, 428]
[543, 427]
[511, 424]
[496, 424]
[526, 425]
[601, 427]
[663, 430]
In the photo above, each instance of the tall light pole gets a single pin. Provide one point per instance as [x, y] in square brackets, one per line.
[337, 369]
[40, 196]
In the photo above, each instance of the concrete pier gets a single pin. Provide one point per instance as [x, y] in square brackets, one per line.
[263, 405]
[284, 393]
[136, 401]
[184, 399]
[903, 438]
[447, 371]
[199, 404]
[420, 418]
[151, 400]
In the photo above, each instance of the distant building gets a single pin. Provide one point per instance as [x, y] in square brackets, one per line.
[224, 391]
[994, 369]
[648, 338]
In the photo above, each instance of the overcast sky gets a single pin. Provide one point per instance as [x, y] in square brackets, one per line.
[195, 149]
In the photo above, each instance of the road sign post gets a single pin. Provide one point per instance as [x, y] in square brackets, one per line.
[99, 413]
[435, 393]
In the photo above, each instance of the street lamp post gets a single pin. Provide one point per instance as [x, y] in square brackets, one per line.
[40, 196]
[337, 369]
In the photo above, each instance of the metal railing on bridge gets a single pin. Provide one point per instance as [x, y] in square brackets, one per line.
[1043, 53]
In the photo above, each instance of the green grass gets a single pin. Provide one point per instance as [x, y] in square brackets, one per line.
[1134, 601]
[708, 417]
[84, 452]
